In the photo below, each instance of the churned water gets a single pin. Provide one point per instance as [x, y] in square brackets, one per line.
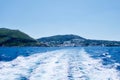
[66, 63]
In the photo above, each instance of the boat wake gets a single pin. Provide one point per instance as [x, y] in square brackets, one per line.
[66, 64]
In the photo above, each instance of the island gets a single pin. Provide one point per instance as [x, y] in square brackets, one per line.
[10, 38]
[71, 40]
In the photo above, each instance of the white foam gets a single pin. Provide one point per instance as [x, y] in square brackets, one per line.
[87, 68]
[67, 64]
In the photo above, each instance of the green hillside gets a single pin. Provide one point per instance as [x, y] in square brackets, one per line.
[10, 37]
[74, 40]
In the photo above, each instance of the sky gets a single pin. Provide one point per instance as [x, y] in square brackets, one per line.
[91, 19]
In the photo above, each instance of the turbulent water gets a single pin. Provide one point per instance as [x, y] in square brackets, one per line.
[80, 63]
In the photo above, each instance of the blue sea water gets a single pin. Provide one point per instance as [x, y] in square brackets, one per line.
[10, 53]
[77, 63]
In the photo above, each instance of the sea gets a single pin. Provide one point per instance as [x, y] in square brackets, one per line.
[59, 63]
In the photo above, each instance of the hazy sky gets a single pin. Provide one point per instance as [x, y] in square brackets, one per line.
[94, 19]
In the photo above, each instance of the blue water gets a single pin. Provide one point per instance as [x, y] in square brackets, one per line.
[10, 53]
[109, 55]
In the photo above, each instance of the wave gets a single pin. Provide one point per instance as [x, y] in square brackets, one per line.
[65, 64]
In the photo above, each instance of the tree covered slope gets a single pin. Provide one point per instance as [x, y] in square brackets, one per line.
[10, 37]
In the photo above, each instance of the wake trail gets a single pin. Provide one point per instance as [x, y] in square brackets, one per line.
[52, 68]
[45, 66]
[66, 64]
[83, 67]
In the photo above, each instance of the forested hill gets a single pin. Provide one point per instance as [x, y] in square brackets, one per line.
[75, 40]
[10, 37]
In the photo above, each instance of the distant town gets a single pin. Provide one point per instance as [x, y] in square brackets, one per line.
[11, 38]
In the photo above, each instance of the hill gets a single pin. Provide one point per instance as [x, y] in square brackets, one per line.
[10, 37]
[74, 40]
